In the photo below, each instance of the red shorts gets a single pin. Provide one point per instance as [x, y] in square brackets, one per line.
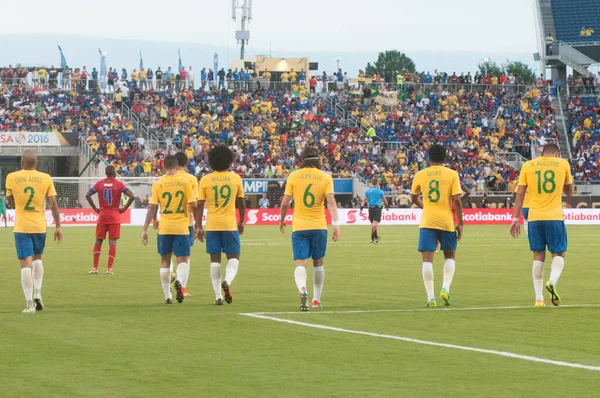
[113, 230]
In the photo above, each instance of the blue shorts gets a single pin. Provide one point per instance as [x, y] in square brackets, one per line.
[551, 234]
[29, 244]
[525, 213]
[309, 244]
[176, 244]
[429, 237]
[227, 242]
[192, 236]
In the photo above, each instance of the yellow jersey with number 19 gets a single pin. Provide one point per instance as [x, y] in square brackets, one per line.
[545, 179]
[29, 188]
[194, 182]
[220, 191]
[438, 185]
[173, 194]
[309, 187]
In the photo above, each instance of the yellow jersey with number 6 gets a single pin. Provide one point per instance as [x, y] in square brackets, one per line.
[438, 185]
[545, 179]
[29, 188]
[173, 194]
[220, 191]
[309, 187]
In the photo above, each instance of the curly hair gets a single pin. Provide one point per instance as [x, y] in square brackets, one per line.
[220, 158]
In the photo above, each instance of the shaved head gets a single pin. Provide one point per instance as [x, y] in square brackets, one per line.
[29, 159]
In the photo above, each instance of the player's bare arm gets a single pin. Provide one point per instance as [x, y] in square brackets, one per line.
[285, 206]
[363, 204]
[131, 198]
[569, 190]
[56, 215]
[241, 205]
[88, 197]
[466, 192]
[150, 215]
[417, 201]
[333, 210]
[198, 217]
[458, 209]
[386, 204]
[515, 227]
[10, 200]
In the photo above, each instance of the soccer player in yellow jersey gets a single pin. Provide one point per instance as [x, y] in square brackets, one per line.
[27, 190]
[182, 163]
[173, 195]
[220, 191]
[440, 187]
[545, 179]
[309, 187]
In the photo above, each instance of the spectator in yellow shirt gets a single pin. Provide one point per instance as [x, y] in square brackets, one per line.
[293, 76]
[285, 77]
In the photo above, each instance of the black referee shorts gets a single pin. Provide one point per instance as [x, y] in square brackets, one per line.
[375, 214]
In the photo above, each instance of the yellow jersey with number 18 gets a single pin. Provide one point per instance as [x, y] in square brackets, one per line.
[173, 194]
[545, 179]
[29, 188]
[309, 187]
[438, 185]
[220, 191]
[194, 182]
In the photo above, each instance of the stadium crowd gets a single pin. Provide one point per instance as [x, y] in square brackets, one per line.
[585, 129]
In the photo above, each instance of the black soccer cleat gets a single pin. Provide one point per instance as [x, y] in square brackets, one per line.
[218, 302]
[227, 292]
[376, 240]
[179, 292]
[304, 301]
[168, 301]
[39, 305]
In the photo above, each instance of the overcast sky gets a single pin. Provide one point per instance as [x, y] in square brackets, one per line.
[308, 25]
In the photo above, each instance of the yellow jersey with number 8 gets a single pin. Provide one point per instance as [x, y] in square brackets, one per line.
[173, 194]
[309, 187]
[220, 191]
[545, 179]
[29, 188]
[438, 185]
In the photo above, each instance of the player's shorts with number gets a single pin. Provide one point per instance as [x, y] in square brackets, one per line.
[179, 245]
[29, 244]
[227, 242]
[429, 237]
[309, 244]
[192, 236]
[113, 231]
[547, 233]
[525, 213]
[375, 214]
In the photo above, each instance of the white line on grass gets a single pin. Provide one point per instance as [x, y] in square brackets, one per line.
[513, 307]
[429, 343]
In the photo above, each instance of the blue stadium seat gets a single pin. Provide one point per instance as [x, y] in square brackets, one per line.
[571, 15]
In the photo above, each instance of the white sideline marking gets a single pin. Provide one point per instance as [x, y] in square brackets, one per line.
[429, 343]
[513, 307]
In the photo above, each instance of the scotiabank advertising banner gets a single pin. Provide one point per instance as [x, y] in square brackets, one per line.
[347, 217]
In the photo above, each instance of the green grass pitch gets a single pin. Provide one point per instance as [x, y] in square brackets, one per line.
[104, 335]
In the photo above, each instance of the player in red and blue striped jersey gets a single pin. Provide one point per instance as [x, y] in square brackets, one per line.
[109, 192]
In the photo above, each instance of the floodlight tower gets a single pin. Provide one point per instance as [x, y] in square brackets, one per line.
[242, 10]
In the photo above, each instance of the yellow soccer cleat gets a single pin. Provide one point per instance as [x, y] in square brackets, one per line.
[446, 297]
[431, 303]
[540, 303]
[552, 289]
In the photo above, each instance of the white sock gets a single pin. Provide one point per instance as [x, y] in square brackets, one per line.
[27, 284]
[449, 267]
[537, 273]
[558, 263]
[171, 266]
[231, 269]
[318, 280]
[525, 223]
[183, 270]
[428, 280]
[165, 280]
[38, 277]
[300, 277]
[215, 276]
[187, 276]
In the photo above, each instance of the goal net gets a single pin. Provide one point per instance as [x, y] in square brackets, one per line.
[71, 190]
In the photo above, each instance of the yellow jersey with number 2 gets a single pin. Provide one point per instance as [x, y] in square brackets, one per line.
[438, 185]
[173, 194]
[220, 191]
[29, 188]
[309, 187]
[545, 179]
[194, 182]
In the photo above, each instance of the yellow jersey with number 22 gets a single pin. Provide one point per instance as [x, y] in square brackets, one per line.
[438, 185]
[194, 182]
[173, 194]
[309, 187]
